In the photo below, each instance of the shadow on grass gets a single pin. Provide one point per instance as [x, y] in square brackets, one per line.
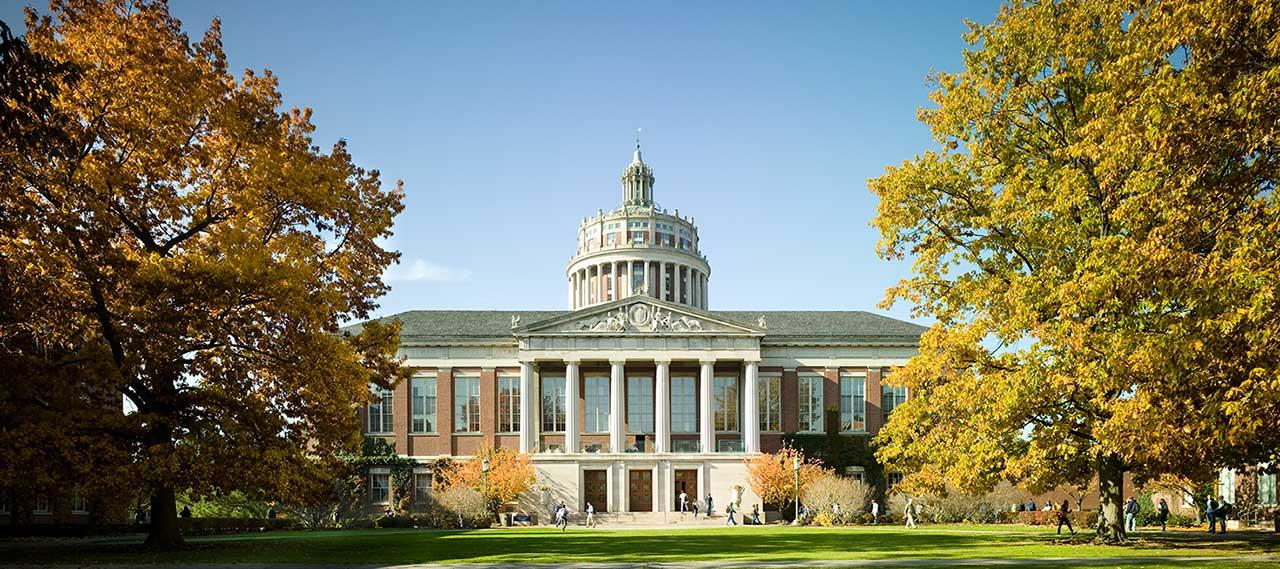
[550, 546]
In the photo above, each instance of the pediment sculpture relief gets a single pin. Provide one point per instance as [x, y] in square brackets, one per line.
[639, 318]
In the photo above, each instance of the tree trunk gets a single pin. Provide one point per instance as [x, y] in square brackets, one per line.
[1111, 498]
[164, 519]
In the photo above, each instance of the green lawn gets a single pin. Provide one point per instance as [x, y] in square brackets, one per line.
[772, 543]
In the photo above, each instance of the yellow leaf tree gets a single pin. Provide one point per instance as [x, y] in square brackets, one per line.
[170, 235]
[510, 474]
[1096, 236]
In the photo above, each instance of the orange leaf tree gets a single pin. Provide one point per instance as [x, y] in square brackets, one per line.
[773, 476]
[510, 474]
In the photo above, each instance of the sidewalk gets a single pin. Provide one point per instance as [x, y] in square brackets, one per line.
[975, 562]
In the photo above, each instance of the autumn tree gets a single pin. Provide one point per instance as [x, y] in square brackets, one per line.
[773, 476]
[169, 235]
[1096, 236]
[510, 474]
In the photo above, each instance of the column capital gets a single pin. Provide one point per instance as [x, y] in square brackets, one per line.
[662, 361]
[618, 361]
[707, 361]
[572, 361]
[751, 361]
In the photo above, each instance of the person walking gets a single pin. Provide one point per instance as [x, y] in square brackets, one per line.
[1162, 514]
[562, 516]
[684, 502]
[755, 514]
[694, 506]
[1224, 510]
[1031, 504]
[709, 505]
[1064, 517]
[591, 515]
[1131, 509]
[1211, 513]
[729, 511]
[910, 512]
[875, 512]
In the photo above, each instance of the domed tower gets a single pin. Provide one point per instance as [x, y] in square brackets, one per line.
[638, 249]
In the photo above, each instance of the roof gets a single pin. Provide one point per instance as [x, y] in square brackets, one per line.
[817, 324]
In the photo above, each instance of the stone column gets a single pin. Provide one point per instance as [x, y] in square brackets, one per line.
[571, 427]
[705, 293]
[675, 279]
[706, 424]
[662, 407]
[751, 408]
[626, 279]
[528, 431]
[693, 288]
[617, 432]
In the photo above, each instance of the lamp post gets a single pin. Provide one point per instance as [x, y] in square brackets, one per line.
[795, 467]
[484, 474]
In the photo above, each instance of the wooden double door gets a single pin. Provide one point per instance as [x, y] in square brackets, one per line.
[595, 489]
[640, 490]
[686, 481]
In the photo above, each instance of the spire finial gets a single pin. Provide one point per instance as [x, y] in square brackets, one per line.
[635, 158]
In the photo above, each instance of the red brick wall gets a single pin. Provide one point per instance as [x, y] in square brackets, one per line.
[444, 409]
[874, 412]
[488, 405]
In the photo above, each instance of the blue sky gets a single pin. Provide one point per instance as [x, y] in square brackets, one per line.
[509, 122]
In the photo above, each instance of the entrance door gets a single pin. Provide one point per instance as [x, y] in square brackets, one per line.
[687, 482]
[595, 489]
[641, 493]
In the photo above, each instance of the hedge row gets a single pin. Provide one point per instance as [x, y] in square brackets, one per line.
[196, 526]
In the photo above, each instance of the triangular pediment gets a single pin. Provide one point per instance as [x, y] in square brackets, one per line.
[638, 315]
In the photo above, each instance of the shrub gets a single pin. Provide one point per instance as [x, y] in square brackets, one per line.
[1086, 519]
[954, 506]
[773, 479]
[195, 526]
[467, 506]
[400, 521]
[823, 494]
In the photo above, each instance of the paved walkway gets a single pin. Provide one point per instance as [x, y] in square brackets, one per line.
[889, 563]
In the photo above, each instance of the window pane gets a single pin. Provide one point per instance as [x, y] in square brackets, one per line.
[684, 409]
[891, 398]
[508, 404]
[726, 403]
[466, 403]
[424, 405]
[597, 403]
[640, 404]
[379, 489]
[553, 403]
[853, 402]
[810, 414]
[380, 418]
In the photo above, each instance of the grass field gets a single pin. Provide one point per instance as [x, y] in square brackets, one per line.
[738, 544]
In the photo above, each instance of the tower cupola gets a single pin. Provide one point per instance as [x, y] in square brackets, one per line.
[637, 182]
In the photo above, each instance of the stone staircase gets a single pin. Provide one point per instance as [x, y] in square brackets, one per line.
[654, 519]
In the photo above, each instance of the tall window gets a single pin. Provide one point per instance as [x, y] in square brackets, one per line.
[726, 403]
[424, 404]
[608, 286]
[1266, 488]
[553, 403]
[4, 502]
[466, 404]
[597, 399]
[42, 504]
[1227, 485]
[811, 403]
[890, 399]
[640, 404]
[421, 487]
[508, 404]
[684, 405]
[380, 410]
[79, 502]
[380, 488]
[770, 395]
[853, 402]
[637, 276]
[892, 479]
